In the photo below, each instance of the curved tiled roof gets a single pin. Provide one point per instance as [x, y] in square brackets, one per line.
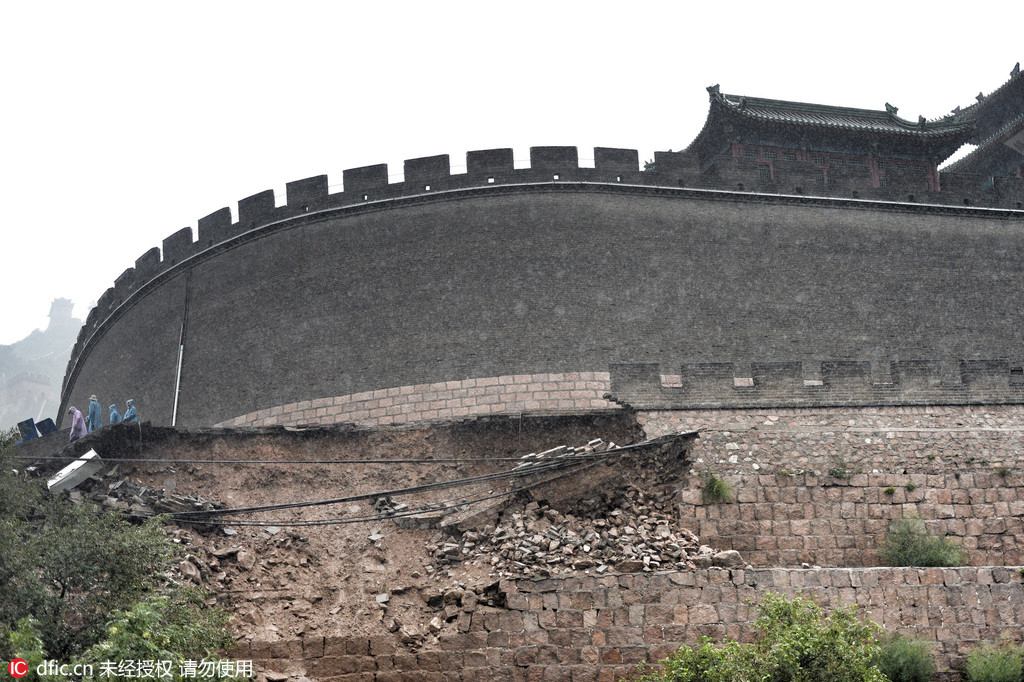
[845, 118]
[971, 112]
[985, 146]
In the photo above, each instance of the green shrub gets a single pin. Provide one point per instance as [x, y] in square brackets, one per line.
[23, 641]
[909, 544]
[168, 627]
[906, 660]
[715, 489]
[890, 491]
[910, 487]
[994, 664]
[796, 642]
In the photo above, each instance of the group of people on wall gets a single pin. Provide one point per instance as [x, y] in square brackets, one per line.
[93, 420]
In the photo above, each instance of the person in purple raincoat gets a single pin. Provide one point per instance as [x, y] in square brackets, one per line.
[78, 427]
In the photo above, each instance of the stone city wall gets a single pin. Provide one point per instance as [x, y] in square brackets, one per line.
[554, 268]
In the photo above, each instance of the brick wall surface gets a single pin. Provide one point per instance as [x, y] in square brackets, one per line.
[569, 392]
[823, 486]
[601, 628]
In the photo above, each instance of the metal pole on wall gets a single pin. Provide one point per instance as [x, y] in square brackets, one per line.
[177, 379]
[181, 349]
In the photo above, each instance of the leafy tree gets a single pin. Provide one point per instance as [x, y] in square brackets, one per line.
[66, 569]
[91, 564]
[796, 642]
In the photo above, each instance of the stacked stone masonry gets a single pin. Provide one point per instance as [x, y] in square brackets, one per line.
[550, 393]
[823, 486]
[590, 628]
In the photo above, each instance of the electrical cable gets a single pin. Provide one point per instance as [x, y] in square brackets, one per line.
[450, 503]
[441, 485]
[158, 460]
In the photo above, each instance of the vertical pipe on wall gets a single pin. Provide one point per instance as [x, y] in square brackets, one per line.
[181, 349]
[177, 376]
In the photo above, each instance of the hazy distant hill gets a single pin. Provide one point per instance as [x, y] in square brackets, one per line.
[31, 369]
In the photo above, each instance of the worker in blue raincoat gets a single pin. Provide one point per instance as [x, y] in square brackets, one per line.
[130, 415]
[95, 419]
[115, 416]
[78, 427]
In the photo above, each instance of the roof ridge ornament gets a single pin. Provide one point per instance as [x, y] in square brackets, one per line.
[890, 109]
[922, 121]
[980, 96]
[1016, 70]
[714, 90]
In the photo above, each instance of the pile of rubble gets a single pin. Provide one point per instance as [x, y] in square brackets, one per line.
[628, 530]
[137, 502]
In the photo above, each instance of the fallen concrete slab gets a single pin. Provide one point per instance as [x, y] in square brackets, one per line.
[75, 473]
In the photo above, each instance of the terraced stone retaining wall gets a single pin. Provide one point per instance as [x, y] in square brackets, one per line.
[601, 627]
[822, 486]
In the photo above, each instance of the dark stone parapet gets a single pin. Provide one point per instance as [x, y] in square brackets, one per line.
[430, 178]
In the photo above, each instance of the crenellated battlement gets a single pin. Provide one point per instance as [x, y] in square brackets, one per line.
[490, 168]
[487, 171]
[833, 383]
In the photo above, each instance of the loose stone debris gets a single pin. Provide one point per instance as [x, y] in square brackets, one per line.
[137, 502]
[624, 531]
[621, 527]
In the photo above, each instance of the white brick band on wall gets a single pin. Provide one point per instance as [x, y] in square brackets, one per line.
[562, 393]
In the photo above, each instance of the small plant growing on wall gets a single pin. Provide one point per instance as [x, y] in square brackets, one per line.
[715, 490]
[890, 491]
[839, 472]
[909, 544]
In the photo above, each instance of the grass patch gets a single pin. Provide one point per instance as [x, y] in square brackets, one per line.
[906, 660]
[994, 664]
[715, 490]
[840, 471]
[909, 544]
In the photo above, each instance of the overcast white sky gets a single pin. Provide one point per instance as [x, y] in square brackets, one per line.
[122, 122]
